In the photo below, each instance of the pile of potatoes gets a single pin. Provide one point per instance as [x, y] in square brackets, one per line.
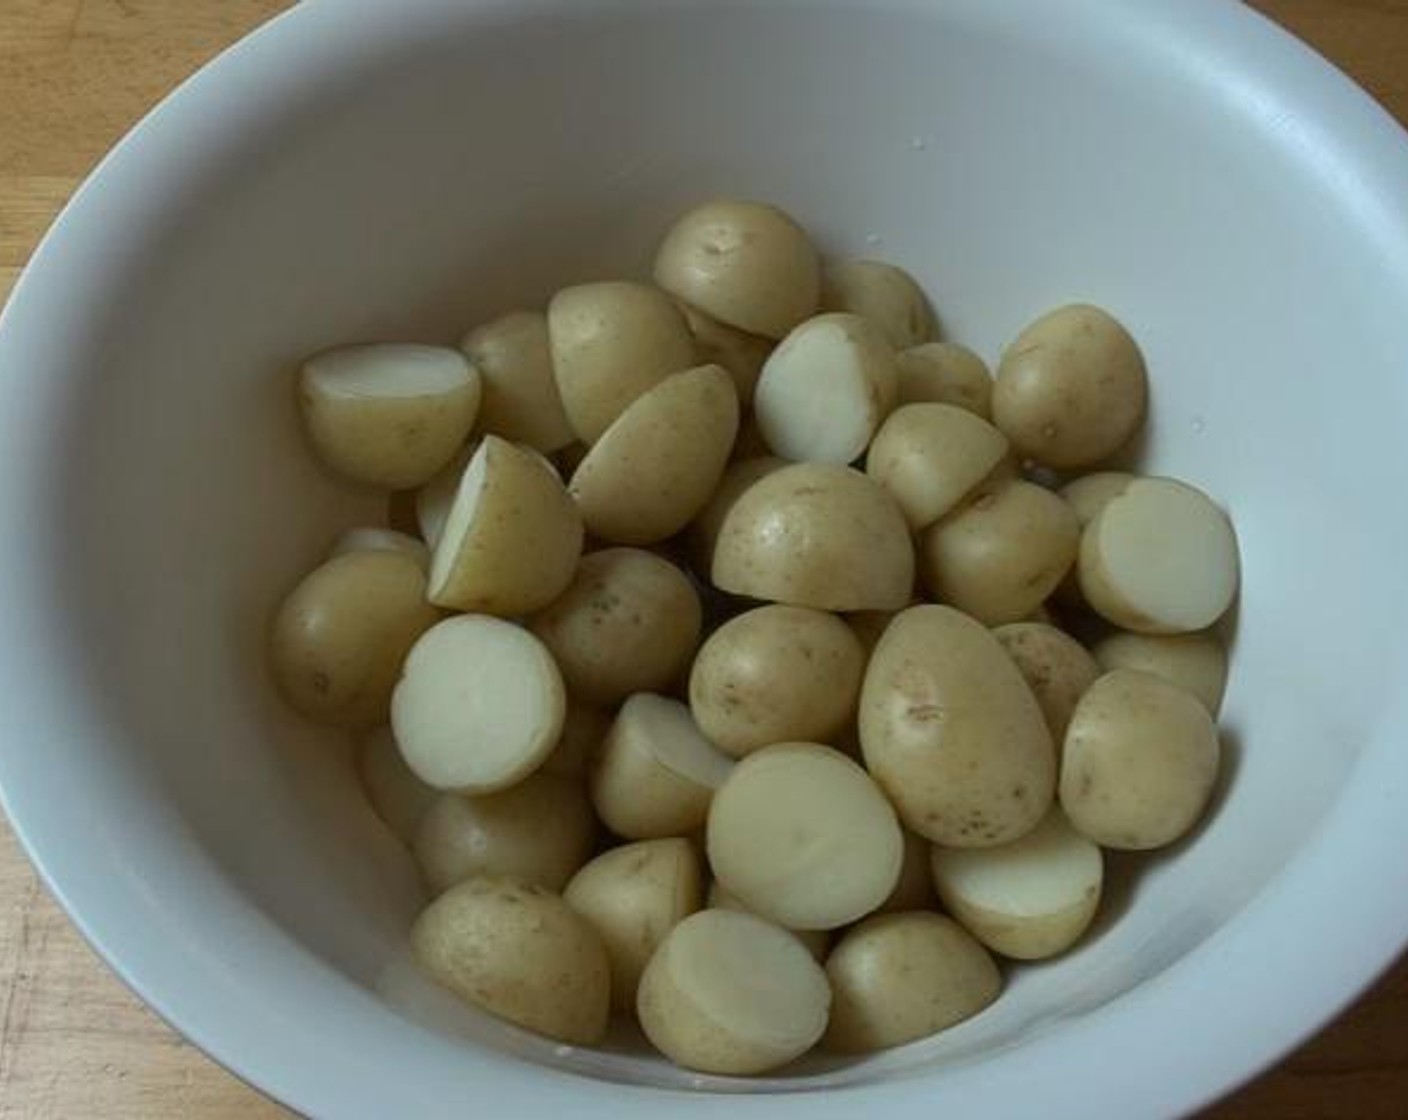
[744, 660]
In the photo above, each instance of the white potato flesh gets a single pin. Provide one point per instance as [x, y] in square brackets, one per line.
[512, 538]
[1090, 493]
[1030, 899]
[583, 730]
[1140, 762]
[1160, 558]
[656, 773]
[389, 414]
[1057, 668]
[802, 836]
[825, 390]
[480, 705]
[746, 264]
[817, 941]
[883, 293]
[945, 373]
[1196, 663]
[373, 538]
[931, 457]
[659, 462]
[634, 895]
[739, 352]
[730, 993]
[521, 403]
[738, 476]
[398, 796]
[434, 499]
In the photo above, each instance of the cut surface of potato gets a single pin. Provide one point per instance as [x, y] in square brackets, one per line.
[398, 796]
[1196, 663]
[373, 538]
[945, 373]
[434, 499]
[739, 352]
[521, 402]
[817, 941]
[931, 457]
[1056, 667]
[884, 294]
[480, 705]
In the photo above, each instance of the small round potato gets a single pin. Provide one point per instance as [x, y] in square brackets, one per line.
[738, 476]
[434, 499]
[739, 352]
[817, 941]
[514, 357]
[746, 264]
[611, 342]
[883, 293]
[338, 640]
[629, 622]
[634, 895]
[999, 556]
[389, 414]
[898, 977]
[512, 538]
[398, 796]
[540, 830]
[1090, 493]
[774, 675]
[914, 889]
[658, 463]
[373, 538]
[825, 390]
[931, 457]
[480, 705]
[1056, 667]
[817, 535]
[1071, 390]
[1196, 663]
[1030, 899]
[730, 993]
[802, 836]
[583, 730]
[655, 774]
[1140, 762]
[945, 373]
[953, 733]
[521, 953]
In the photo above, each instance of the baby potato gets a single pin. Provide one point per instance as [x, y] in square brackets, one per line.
[1057, 668]
[825, 389]
[540, 830]
[521, 953]
[434, 499]
[388, 414]
[338, 640]
[634, 895]
[583, 730]
[521, 403]
[1030, 899]
[945, 373]
[1090, 493]
[655, 774]
[611, 342]
[817, 941]
[999, 556]
[914, 889]
[373, 538]
[1140, 762]
[1196, 663]
[801, 835]
[776, 674]
[739, 352]
[479, 706]
[658, 463]
[512, 538]
[817, 535]
[898, 977]
[398, 796]
[628, 622]
[729, 993]
[1160, 558]
[883, 293]
[1071, 389]
[738, 476]
[931, 457]
[746, 264]
[952, 733]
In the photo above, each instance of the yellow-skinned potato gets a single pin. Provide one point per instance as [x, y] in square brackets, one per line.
[634, 895]
[739, 352]
[398, 796]
[388, 414]
[999, 556]
[512, 538]
[519, 952]
[883, 293]
[1071, 389]
[338, 640]
[817, 941]
[629, 622]
[1197, 663]
[612, 341]
[776, 674]
[952, 733]
[914, 889]
[540, 830]
[1056, 666]
[373, 538]
[1030, 899]
[945, 373]
[583, 730]
[1090, 493]
[658, 463]
[521, 403]
[738, 476]
[817, 535]
[899, 977]
[1140, 761]
[703, 1004]
[746, 264]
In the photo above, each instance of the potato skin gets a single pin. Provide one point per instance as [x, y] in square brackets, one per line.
[885, 294]
[521, 402]
[1056, 667]
[738, 476]
[945, 373]
[739, 352]
[1195, 662]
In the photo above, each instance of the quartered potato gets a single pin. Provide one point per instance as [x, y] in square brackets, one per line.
[883, 293]
[513, 355]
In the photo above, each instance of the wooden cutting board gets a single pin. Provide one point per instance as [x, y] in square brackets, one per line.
[74, 1043]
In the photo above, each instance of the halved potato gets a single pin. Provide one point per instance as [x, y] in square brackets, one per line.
[398, 796]
[945, 373]
[1196, 662]
[817, 941]
[521, 402]
[931, 457]
[739, 352]
[885, 294]
[738, 476]
[373, 538]
[434, 499]
[1090, 493]
[1056, 666]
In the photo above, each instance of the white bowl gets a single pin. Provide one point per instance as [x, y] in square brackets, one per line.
[358, 171]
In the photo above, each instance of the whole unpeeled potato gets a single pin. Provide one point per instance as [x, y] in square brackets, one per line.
[885, 294]
[945, 373]
[521, 401]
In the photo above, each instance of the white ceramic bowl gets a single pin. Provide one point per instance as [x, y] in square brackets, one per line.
[363, 170]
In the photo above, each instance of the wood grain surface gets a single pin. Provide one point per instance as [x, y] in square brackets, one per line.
[74, 1043]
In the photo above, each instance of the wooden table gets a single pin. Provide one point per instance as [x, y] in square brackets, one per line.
[75, 75]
